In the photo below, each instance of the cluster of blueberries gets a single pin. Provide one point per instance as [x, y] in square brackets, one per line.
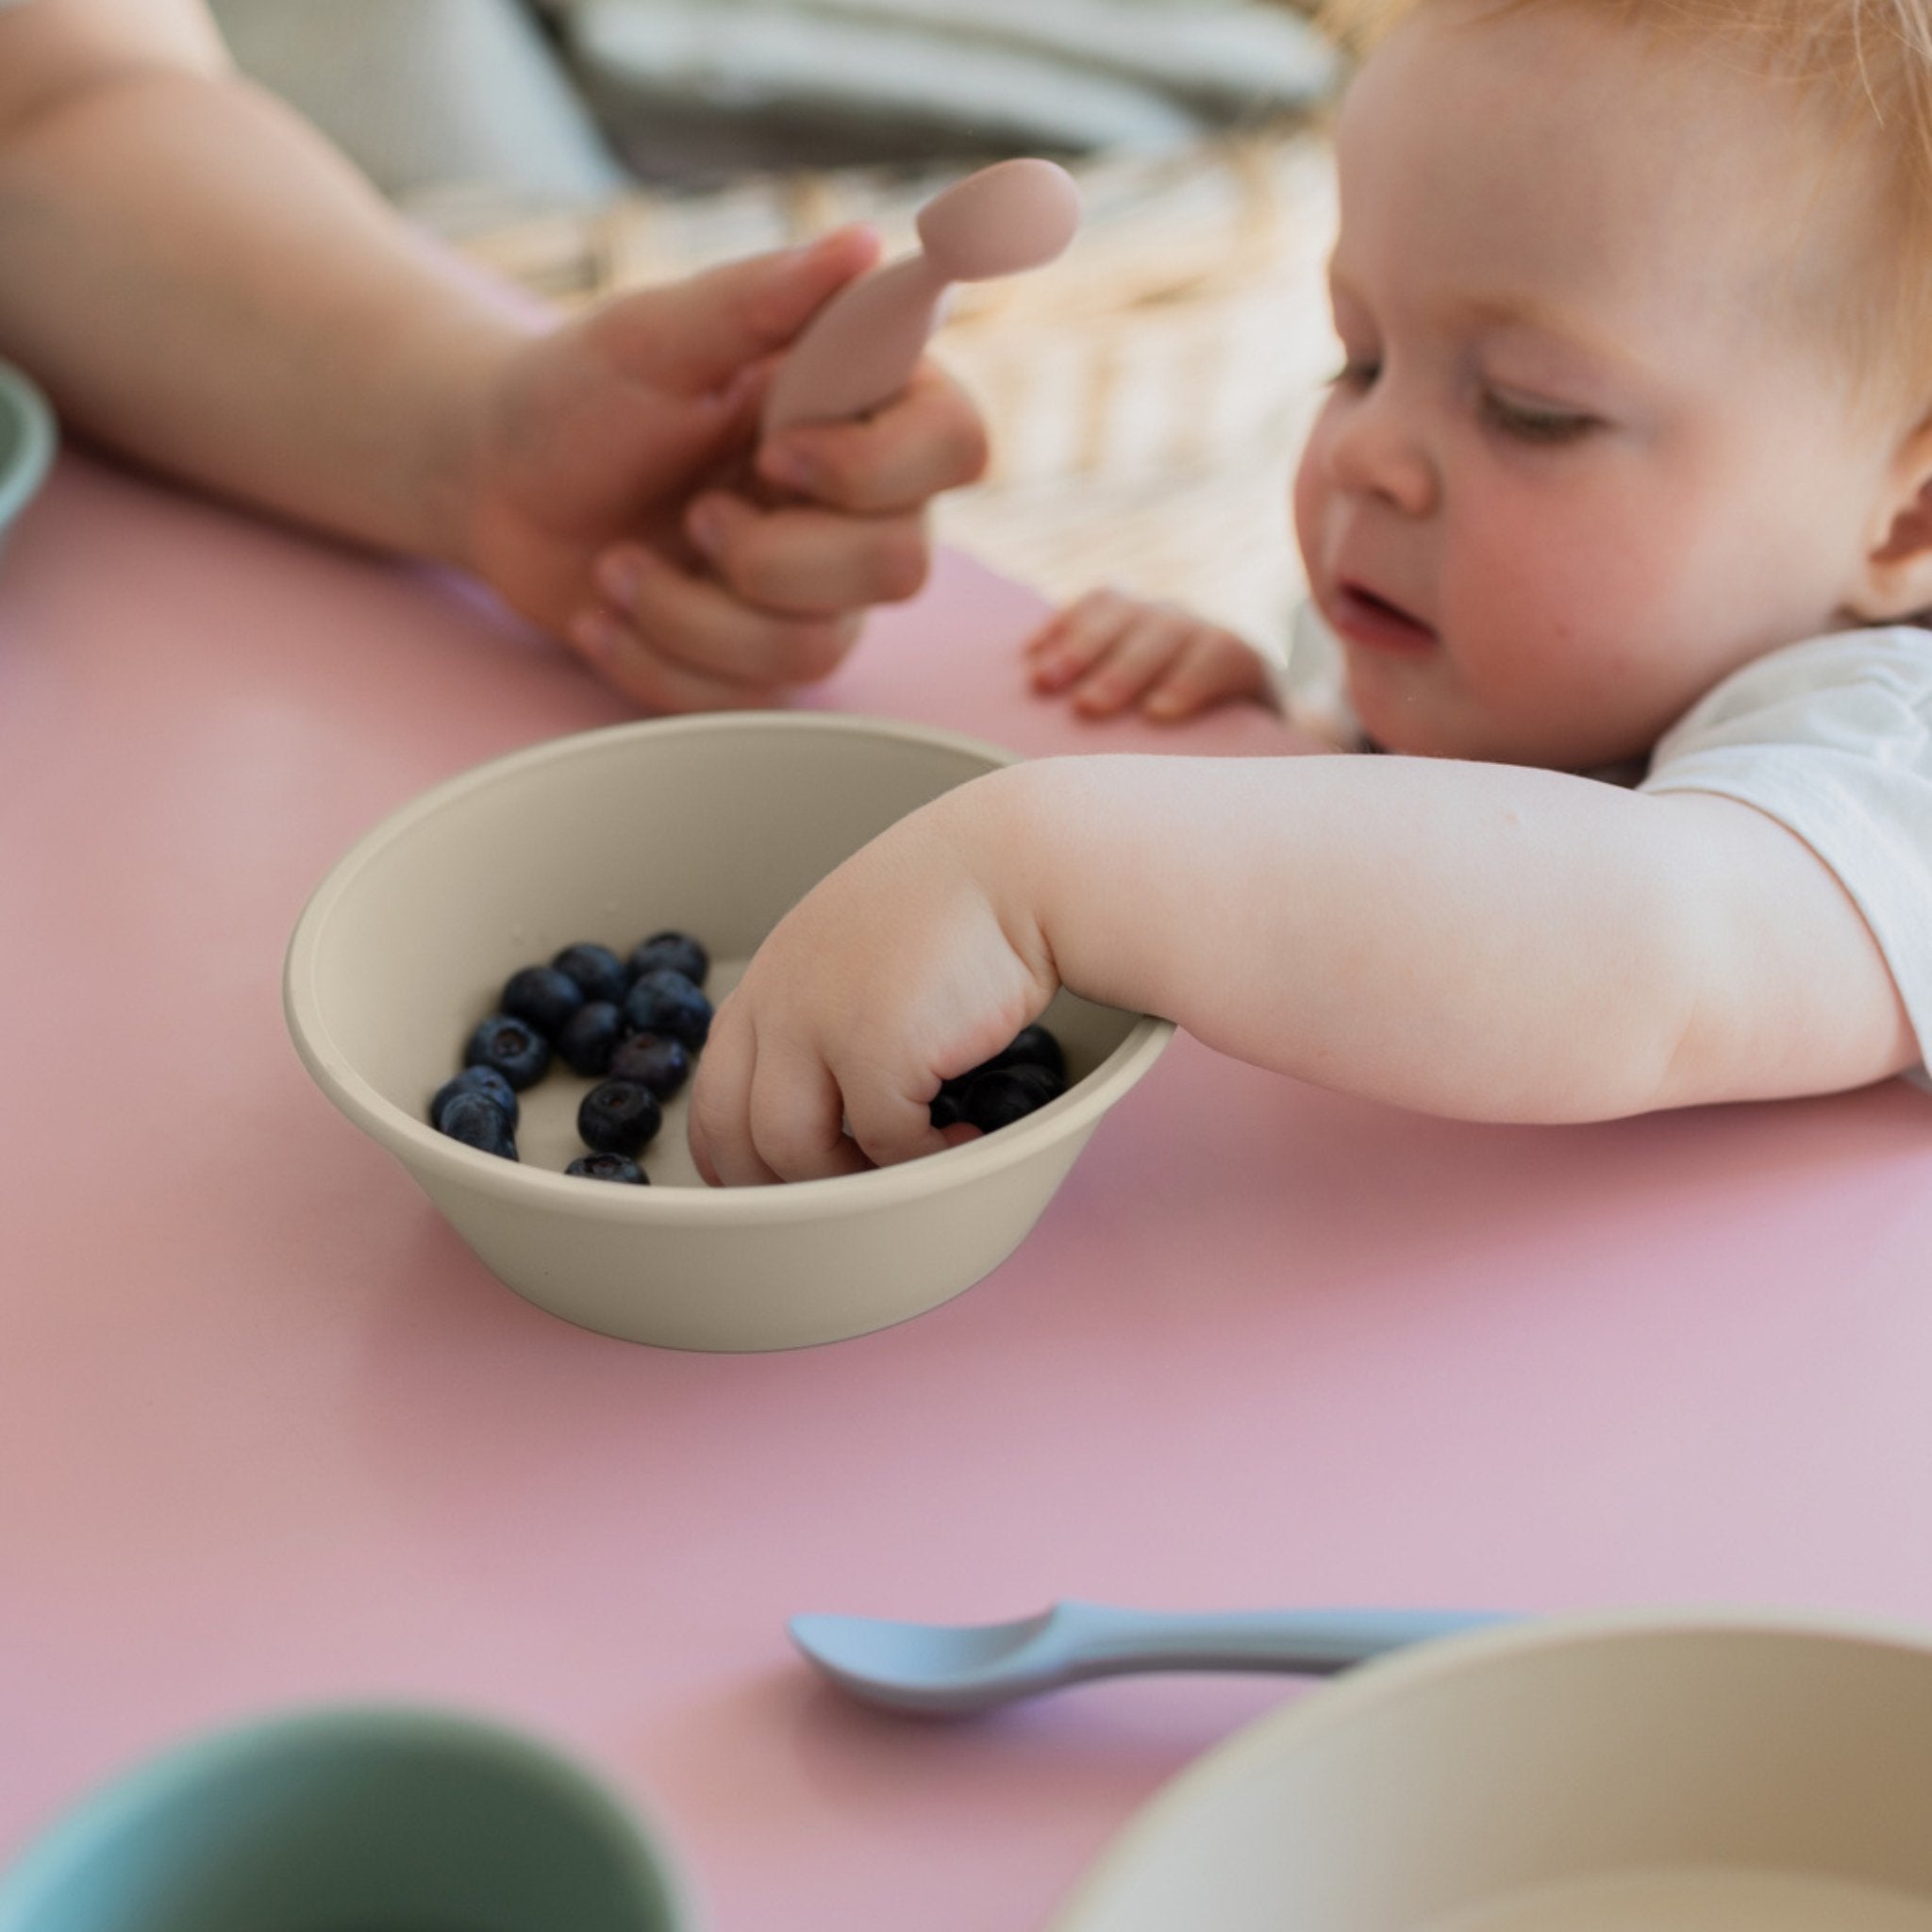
[635, 1026]
[1021, 1078]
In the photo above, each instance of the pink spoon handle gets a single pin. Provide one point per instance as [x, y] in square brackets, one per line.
[859, 349]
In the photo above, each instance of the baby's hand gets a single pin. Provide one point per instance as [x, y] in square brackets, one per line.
[913, 961]
[1108, 651]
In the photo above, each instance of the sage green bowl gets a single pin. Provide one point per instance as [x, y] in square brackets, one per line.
[351, 1818]
[27, 442]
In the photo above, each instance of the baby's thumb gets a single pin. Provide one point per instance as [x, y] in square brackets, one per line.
[696, 335]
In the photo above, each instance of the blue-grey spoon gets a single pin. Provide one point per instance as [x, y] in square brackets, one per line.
[950, 1670]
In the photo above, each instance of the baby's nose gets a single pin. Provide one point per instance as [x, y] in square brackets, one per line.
[1377, 450]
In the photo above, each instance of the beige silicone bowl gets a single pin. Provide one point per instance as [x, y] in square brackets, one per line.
[1632, 1772]
[713, 825]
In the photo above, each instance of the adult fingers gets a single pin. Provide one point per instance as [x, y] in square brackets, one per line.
[930, 437]
[610, 644]
[808, 561]
[702, 630]
[694, 335]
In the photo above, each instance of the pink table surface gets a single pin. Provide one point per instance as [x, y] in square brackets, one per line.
[269, 1434]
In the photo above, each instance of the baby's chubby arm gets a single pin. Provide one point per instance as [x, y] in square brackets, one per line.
[1486, 941]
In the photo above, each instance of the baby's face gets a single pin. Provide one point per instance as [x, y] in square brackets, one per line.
[1585, 457]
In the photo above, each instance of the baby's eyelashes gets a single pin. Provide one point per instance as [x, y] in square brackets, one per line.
[1526, 421]
[1532, 422]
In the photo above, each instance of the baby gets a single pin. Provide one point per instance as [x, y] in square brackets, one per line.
[1629, 459]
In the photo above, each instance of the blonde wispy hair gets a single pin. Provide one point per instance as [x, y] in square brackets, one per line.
[1863, 67]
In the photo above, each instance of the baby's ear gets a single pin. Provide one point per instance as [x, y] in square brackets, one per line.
[1895, 576]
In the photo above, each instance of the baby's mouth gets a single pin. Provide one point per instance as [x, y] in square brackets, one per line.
[1373, 622]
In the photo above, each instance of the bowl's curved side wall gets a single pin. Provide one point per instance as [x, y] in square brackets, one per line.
[767, 1285]
[1445, 1779]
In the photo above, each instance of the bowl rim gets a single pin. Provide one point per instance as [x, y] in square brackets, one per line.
[417, 1144]
[1225, 1767]
[22, 398]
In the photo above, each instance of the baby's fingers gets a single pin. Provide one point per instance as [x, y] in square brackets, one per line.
[763, 1112]
[720, 1141]
[1068, 645]
[887, 1123]
[1214, 668]
[1154, 638]
[796, 1118]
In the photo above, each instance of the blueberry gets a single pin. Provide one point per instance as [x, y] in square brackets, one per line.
[476, 1120]
[1002, 1095]
[541, 997]
[667, 1003]
[517, 1050]
[1032, 1049]
[608, 1167]
[675, 951]
[485, 1081]
[619, 1117]
[588, 1037]
[653, 1061]
[1032, 1046]
[596, 969]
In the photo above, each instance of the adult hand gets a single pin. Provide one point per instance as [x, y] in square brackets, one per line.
[620, 500]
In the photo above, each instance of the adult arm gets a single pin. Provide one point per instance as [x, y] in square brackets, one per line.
[205, 284]
[202, 282]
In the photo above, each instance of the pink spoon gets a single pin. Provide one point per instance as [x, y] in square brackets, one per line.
[859, 349]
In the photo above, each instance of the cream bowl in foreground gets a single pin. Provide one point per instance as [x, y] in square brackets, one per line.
[1629, 1773]
[712, 826]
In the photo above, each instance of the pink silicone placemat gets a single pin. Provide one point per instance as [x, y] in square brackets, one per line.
[270, 1434]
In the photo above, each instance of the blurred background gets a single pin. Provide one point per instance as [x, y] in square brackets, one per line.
[1147, 393]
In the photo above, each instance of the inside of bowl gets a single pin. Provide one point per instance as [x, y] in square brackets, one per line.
[547, 1119]
[713, 831]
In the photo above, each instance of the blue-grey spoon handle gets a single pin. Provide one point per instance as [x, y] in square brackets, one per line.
[1101, 1639]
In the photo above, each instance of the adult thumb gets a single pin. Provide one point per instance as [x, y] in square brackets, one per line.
[696, 335]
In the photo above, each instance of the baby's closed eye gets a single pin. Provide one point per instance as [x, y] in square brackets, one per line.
[1542, 423]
